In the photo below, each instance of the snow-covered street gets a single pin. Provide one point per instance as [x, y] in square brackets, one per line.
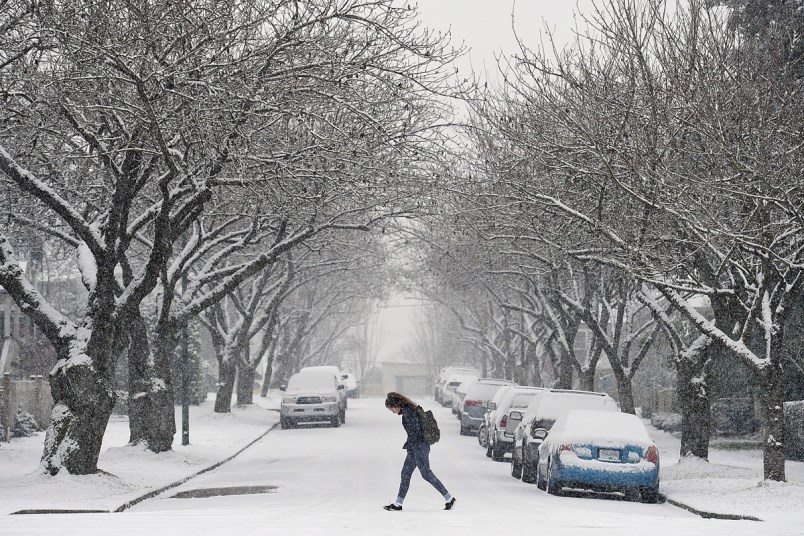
[335, 481]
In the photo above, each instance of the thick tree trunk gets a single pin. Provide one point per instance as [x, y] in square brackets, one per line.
[152, 418]
[226, 382]
[693, 398]
[625, 390]
[586, 380]
[245, 385]
[771, 396]
[565, 371]
[138, 352]
[83, 397]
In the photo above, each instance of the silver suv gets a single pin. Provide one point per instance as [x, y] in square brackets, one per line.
[311, 397]
[501, 423]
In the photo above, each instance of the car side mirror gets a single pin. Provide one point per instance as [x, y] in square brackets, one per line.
[539, 433]
[491, 405]
[341, 386]
[283, 387]
[344, 376]
[515, 415]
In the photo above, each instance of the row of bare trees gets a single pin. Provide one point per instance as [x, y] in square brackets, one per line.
[198, 156]
[644, 182]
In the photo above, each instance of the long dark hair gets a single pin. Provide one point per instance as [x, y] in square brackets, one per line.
[400, 401]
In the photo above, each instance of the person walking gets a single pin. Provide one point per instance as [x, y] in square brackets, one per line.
[418, 452]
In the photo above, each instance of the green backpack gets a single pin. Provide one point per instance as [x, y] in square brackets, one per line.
[429, 425]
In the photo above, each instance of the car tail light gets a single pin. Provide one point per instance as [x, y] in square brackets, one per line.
[652, 454]
[566, 447]
[471, 403]
[503, 421]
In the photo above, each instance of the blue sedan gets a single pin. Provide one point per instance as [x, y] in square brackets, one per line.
[599, 451]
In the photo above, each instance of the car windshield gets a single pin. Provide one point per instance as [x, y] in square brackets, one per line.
[311, 380]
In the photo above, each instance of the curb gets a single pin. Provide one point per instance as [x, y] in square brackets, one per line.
[153, 493]
[125, 506]
[708, 515]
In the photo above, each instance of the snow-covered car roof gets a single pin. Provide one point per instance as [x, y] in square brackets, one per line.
[312, 379]
[595, 426]
[554, 404]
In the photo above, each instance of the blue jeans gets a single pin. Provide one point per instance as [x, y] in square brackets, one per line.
[419, 456]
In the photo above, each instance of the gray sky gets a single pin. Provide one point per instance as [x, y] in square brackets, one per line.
[485, 28]
[486, 25]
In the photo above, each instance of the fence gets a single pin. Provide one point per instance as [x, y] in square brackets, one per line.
[32, 396]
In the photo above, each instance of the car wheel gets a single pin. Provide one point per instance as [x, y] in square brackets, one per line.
[497, 453]
[481, 435]
[527, 467]
[343, 417]
[541, 483]
[649, 495]
[335, 421]
[553, 485]
[516, 467]
[488, 447]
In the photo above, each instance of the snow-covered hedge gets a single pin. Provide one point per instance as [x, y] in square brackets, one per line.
[669, 422]
[24, 424]
[794, 430]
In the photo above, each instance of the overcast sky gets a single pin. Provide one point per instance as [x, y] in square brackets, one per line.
[485, 26]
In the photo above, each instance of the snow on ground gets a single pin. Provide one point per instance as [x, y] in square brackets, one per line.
[334, 481]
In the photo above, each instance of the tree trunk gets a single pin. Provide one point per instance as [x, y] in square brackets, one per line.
[138, 352]
[83, 398]
[152, 418]
[566, 370]
[693, 397]
[266, 380]
[226, 382]
[587, 379]
[771, 396]
[625, 390]
[245, 385]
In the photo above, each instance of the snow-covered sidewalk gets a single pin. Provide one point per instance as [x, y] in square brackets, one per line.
[129, 472]
[730, 484]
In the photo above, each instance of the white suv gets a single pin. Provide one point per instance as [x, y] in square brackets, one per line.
[311, 397]
[340, 378]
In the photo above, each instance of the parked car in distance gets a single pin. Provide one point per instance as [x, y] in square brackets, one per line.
[451, 386]
[460, 394]
[482, 432]
[542, 412]
[311, 397]
[446, 373]
[352, 385]
[501, 422]
[473, 412]
[335, 371]
[599, 451]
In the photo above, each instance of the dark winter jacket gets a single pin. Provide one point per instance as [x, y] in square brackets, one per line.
[410, 420]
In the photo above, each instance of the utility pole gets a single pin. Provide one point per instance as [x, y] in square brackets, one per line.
[185, 372]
